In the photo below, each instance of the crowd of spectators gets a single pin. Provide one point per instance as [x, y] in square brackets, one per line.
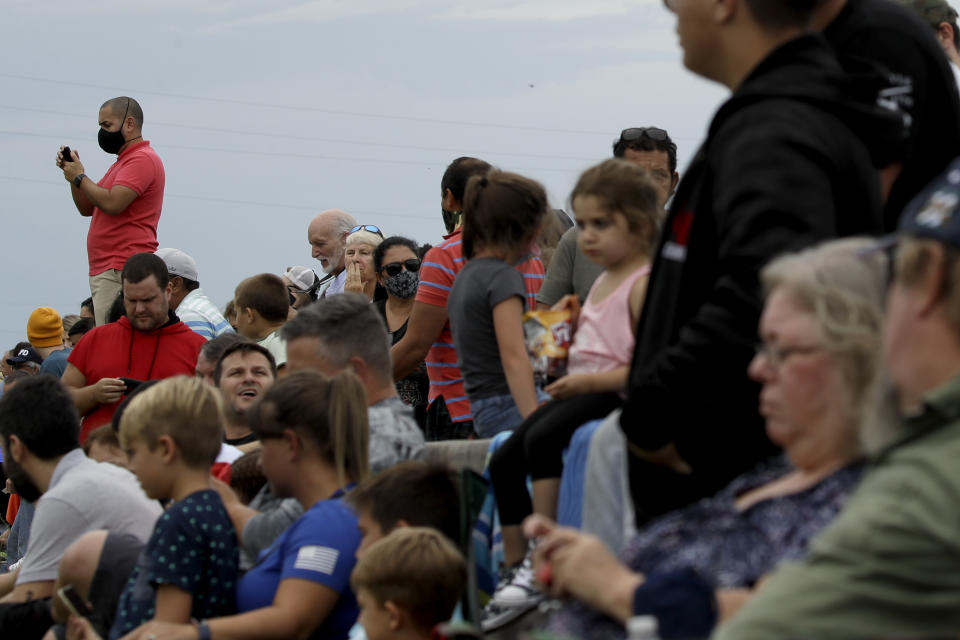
[754, 432]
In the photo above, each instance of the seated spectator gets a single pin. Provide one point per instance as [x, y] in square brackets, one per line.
[397, 265]
[78, 330]
[617, 212]
[103, 445]
[358, 259]
[889, 565]
[502, 212]
[188, 569]
[346, 332]
[188, 300]
[149, 343]
[45, 333]
[23, 357]
[210, 354]
[41, 454]
[407, 584]
[820, 333]
[314, 433]
[244, 373]
[261, 306]
[303, 285]
[68, 321]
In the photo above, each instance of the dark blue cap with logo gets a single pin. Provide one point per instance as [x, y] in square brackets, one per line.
[935, 212]
[24, 354]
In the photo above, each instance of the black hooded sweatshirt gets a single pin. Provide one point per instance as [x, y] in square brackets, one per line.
[782, 168]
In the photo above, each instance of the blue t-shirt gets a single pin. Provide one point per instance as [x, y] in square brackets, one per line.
[56, 363]
[193, 547]
[320, 546]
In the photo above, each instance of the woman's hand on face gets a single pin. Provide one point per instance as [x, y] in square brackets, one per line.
[354, 281]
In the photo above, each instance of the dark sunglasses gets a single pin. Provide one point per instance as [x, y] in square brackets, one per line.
[394, 268]
[636, 133]
[367, 227]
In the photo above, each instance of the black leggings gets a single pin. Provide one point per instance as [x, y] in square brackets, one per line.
[536, 448]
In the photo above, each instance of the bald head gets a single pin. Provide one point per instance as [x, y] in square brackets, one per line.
[327, 235]
[124, 105]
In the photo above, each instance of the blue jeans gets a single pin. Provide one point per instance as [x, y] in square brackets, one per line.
[494, 414]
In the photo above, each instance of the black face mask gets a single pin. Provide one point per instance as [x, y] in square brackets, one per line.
[21, 481]
[451, 219]
[113, 141]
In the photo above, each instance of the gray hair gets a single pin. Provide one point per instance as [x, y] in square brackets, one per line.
[843, 286]
[347, 326]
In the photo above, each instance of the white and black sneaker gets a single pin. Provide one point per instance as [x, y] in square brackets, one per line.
[519, 588]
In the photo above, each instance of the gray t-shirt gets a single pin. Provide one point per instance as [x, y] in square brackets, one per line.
[570, 271]
[480, 286]
[84, 496]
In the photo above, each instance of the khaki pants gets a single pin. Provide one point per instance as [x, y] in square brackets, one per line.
[104, 288]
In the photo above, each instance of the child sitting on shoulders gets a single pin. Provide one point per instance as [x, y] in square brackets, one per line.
[407, 583]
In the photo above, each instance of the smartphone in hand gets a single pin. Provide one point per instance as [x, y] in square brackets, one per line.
[67, 154]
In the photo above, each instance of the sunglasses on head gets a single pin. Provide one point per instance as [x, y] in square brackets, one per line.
[367, 227]
[635, 133]
[394, 268]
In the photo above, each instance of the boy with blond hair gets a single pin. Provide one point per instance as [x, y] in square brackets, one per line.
[188, 570]
[407, 583]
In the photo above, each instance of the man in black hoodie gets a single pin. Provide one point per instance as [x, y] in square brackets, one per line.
[784, 165]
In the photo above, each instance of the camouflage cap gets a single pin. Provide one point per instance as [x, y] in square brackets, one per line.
[933, 11]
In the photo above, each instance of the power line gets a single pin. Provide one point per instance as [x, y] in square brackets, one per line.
[289, 107]
[459, 151]
[300, 156]
[240, 202]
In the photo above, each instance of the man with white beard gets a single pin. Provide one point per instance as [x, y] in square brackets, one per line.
[327, 235]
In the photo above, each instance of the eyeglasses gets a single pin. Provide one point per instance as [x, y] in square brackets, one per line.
[635, 133]
[367, 227]
[889, 247]
[394, 268]
[777, 355]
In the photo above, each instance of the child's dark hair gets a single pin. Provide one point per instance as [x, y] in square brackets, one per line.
[625, 188]
[420, 494]
[501, 209]
[246, 476]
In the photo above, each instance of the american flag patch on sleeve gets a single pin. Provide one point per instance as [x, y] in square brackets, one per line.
[315, 558]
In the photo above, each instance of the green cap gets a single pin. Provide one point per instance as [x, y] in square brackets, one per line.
[933, 11]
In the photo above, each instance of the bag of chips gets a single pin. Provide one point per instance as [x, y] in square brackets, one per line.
[547, 335]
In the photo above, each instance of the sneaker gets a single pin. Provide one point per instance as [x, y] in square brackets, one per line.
[517, 588]
[494, 616]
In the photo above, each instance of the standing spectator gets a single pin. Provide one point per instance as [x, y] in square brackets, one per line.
[124, 206]
[262, 305]
[428, 335]
[45, 332]
[188, 300]
[502, 212]
[68, 321]
[360, 247]
[780, 169]
[397, 266]
[80, 328]
[243, 373]
[23, 357]
[148, 343]
[210, 355]
[327, 235]
[303, 285]
[86, 308]
[921, 85]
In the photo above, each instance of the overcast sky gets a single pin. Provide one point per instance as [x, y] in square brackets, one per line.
[267, 112]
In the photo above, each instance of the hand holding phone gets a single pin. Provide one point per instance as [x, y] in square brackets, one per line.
[130, 384]
[73, 602]
[67, 154]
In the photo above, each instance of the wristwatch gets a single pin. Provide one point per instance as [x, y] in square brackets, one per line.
[78, 180]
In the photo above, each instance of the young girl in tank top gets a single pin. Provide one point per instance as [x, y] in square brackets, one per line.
[617, 215]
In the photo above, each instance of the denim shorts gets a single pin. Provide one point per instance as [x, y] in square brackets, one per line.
[494, 414]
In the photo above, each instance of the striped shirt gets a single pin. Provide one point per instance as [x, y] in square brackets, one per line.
[440, 267]
[202, 316]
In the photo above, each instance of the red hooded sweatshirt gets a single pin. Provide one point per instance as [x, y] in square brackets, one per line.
[117, 350]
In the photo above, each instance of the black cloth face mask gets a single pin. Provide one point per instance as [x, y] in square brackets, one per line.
[113, 141]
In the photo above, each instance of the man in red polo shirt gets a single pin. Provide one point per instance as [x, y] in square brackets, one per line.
[125, 204]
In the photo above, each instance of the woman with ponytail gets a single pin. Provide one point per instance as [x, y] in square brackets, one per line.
[315, 444]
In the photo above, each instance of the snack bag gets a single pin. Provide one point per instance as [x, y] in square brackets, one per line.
[548, 335]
